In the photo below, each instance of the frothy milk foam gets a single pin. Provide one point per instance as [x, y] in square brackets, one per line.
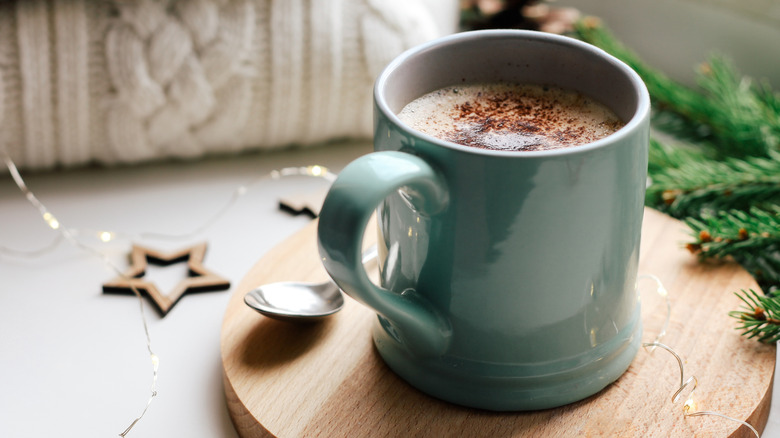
[511, 117]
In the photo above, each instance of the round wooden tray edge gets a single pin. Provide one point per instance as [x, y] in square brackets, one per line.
[249, 425]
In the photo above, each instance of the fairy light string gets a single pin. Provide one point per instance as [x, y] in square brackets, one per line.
[689, 407]
[72, 235]
[106, 236]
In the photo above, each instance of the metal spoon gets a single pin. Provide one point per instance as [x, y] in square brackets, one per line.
[300, 301]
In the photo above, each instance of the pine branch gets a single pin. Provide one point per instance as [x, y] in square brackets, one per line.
[743, 115]
[697, 186]
[669, 122]
[665, 155]
[752, 238]
[759, 316]
[664, 90]
[735, 232]
[735, 116]
[770, 99]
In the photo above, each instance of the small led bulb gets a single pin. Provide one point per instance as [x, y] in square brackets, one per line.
[51, 220]
[690, 406]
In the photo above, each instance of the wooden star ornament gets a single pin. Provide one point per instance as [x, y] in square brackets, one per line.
[309, 203]
[200, 279]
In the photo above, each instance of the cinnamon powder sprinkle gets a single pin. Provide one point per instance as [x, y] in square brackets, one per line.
[511, 117]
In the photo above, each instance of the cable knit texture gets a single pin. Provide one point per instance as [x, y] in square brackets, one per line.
[132, 81]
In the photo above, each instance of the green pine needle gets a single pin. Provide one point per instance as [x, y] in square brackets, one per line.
[665, 155]
[737, 116]
[682, 129]
[735, 232]
[751, 237]
[663, 90]
[696, 185]
[759, 317]
[742, 115]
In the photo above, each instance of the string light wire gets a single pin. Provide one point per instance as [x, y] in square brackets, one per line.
[312, 171]
[689, 407]
[660, 290]
[105, 236]
[70, 235]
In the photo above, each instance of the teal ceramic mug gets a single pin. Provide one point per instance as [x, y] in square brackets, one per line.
[507, 279]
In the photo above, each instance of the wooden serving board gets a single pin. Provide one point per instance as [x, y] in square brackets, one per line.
[326, 379]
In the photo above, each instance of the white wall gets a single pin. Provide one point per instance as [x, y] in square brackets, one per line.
[677, 35]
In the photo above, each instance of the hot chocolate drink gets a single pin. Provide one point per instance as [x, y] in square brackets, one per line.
[511, 117]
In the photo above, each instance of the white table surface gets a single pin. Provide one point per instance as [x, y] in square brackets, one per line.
[73, 361]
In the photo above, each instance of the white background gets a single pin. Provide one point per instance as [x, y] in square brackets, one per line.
[73, 361]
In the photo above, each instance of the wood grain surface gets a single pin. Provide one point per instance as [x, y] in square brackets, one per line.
[326, 379]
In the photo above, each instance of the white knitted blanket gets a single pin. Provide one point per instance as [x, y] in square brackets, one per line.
[129, 81]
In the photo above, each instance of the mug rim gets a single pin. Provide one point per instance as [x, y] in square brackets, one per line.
[640, 113]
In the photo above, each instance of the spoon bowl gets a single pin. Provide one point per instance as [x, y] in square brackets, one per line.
[299, 301]
[290, 300]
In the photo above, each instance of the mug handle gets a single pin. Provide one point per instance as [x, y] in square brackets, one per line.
[347, 208]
